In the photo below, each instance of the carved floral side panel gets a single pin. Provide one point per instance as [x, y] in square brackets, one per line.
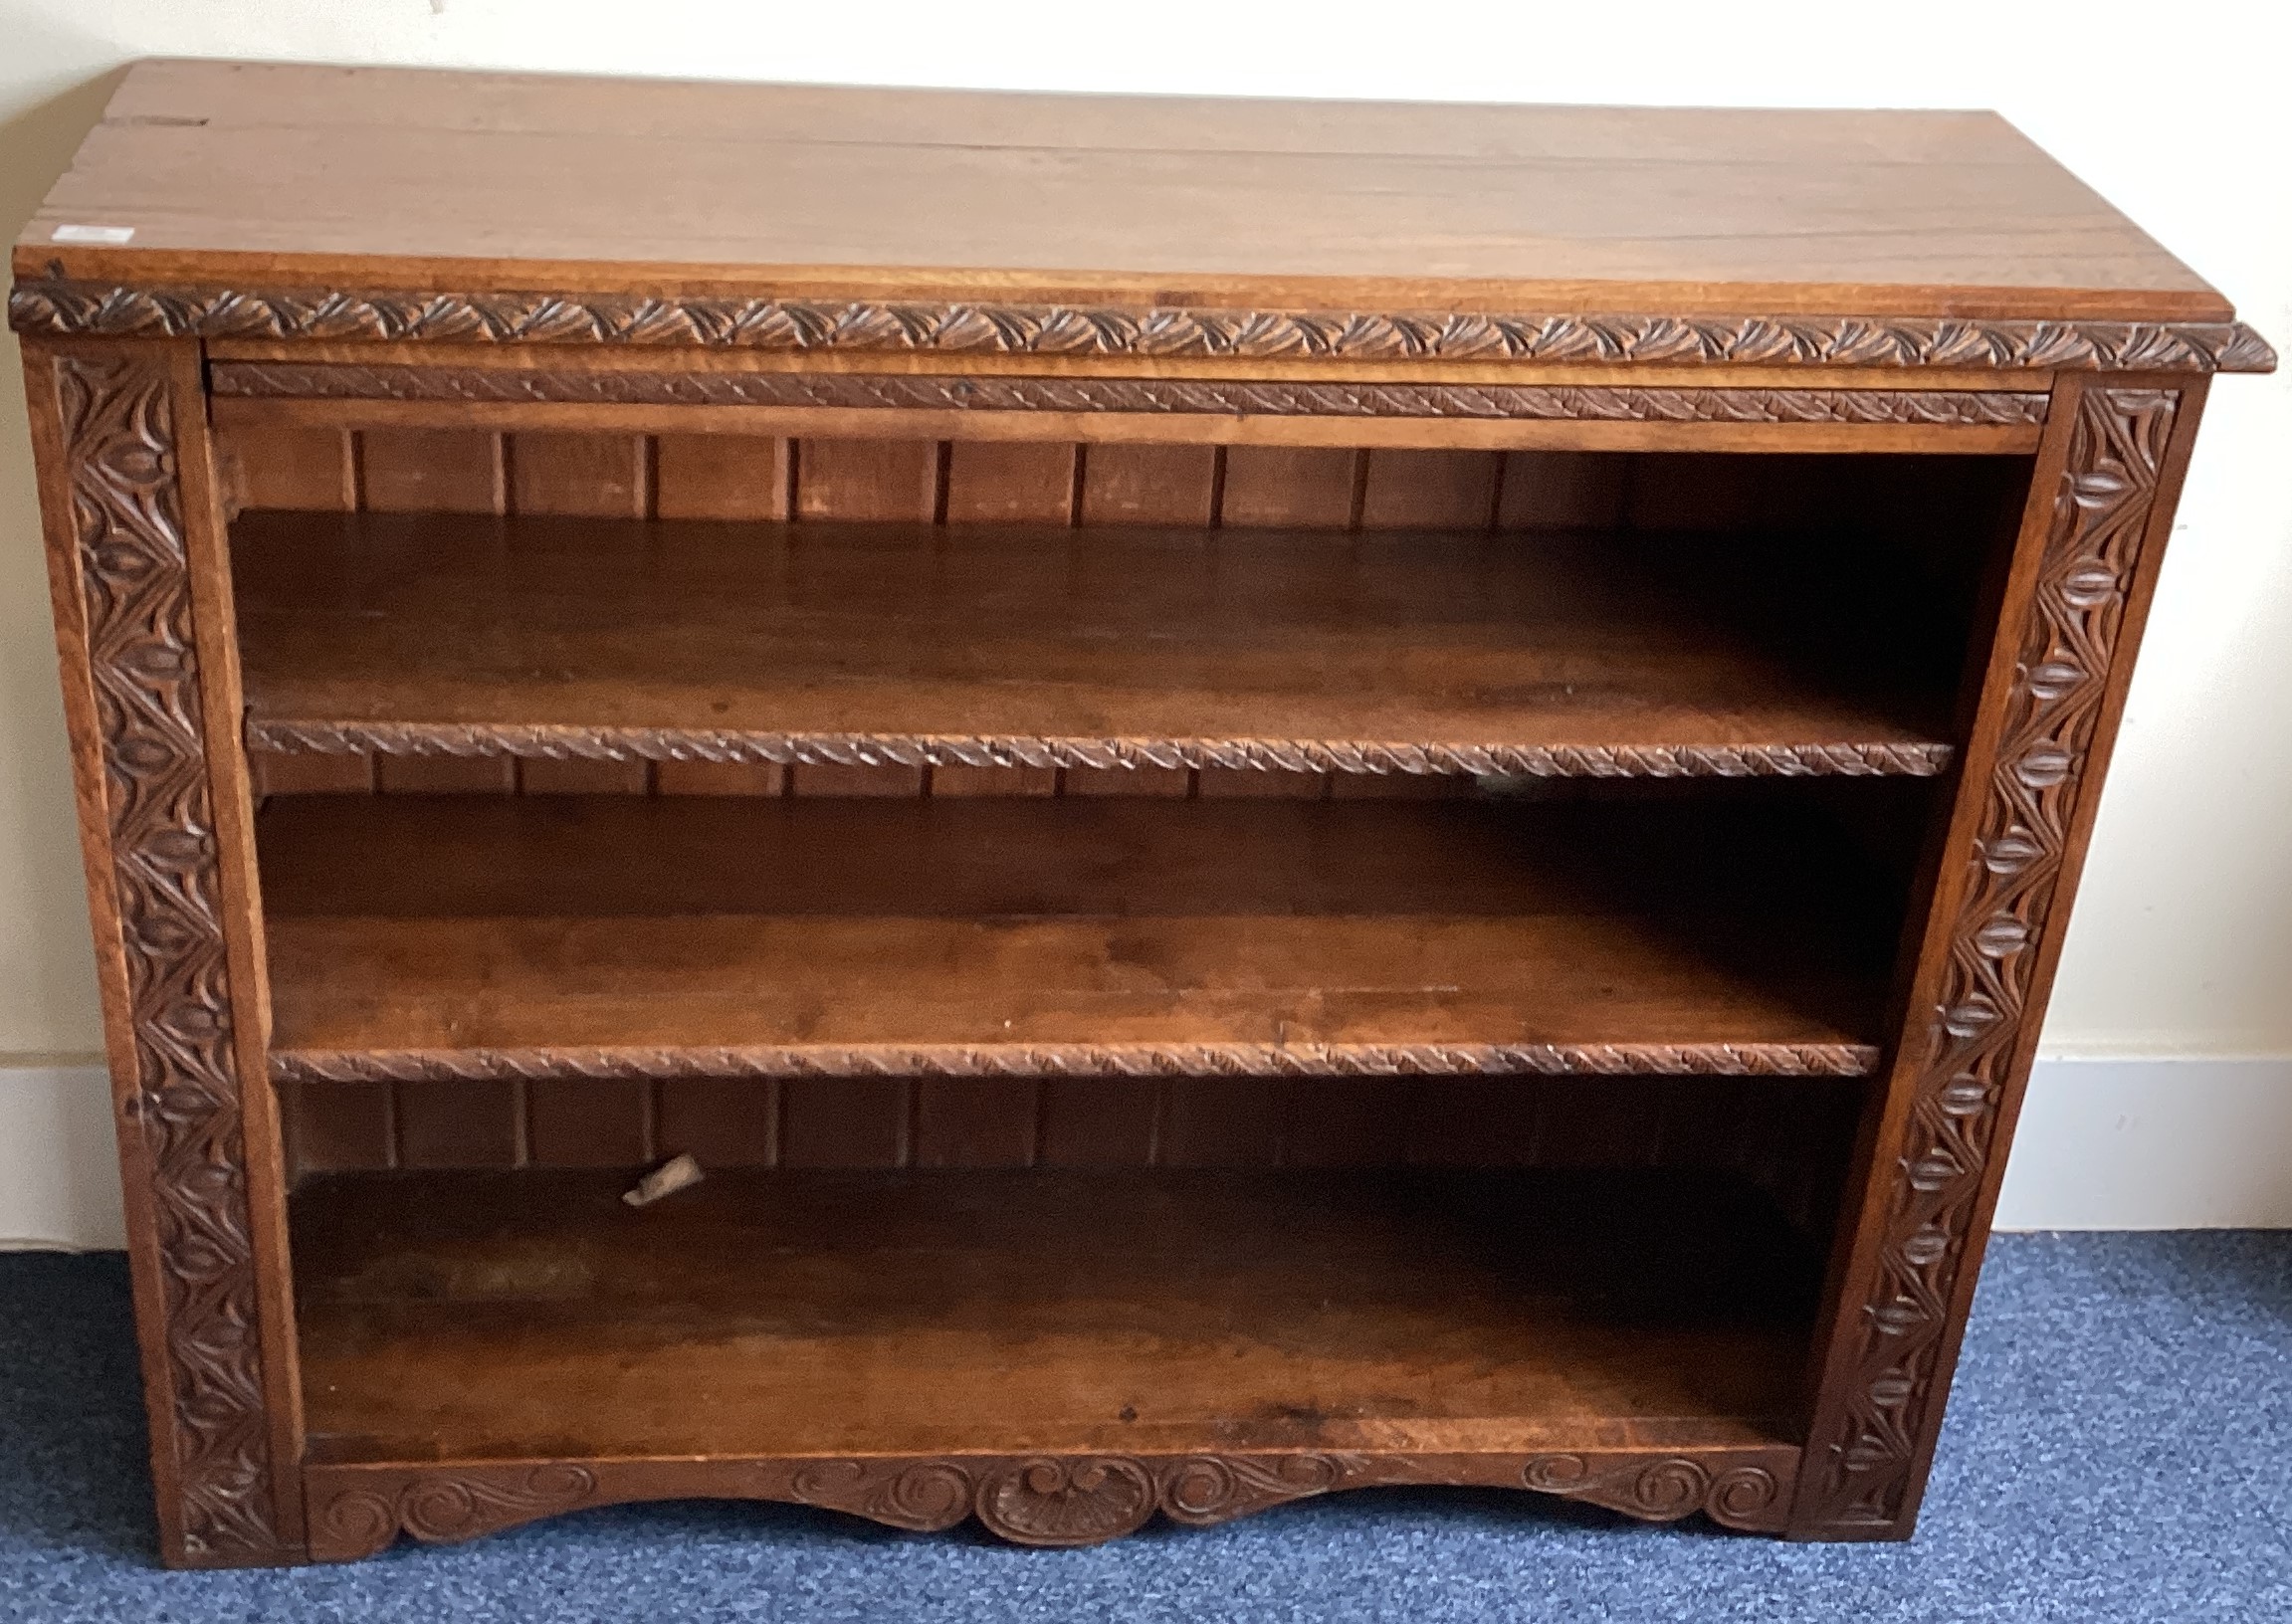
[119, 446]
[1863, 1476]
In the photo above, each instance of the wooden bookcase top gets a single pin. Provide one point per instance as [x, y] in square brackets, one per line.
[254, 177]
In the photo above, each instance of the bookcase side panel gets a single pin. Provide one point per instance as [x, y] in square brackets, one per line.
[132, 521]
[2060, 660]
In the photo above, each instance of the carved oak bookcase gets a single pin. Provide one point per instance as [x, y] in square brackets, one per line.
[1291, 797]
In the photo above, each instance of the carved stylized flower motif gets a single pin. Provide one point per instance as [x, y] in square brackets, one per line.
[1052, 1501]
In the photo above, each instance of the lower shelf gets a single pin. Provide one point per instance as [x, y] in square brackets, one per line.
[901, 1343]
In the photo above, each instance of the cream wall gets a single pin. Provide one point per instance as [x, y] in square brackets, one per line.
[2183, 946]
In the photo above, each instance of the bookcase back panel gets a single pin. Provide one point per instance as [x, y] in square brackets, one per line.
[1790, 1136]
[1939, 514]
[742, 477]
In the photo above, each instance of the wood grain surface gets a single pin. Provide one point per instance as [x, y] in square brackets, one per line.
[529, 181]
[518, 1316]
[1124, 647]
[631, 936]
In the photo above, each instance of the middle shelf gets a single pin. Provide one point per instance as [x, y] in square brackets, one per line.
[1598, 652]
[474, 937]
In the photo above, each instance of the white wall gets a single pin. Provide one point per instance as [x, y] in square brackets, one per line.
[2183, 940]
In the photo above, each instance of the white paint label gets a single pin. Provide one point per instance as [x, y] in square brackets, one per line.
[92, 234]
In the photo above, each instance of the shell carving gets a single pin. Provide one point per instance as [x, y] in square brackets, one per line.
[1074, 1502]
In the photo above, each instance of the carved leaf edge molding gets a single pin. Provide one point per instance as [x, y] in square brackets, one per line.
[1861, 1475]
[63, 307]
[134, 573]
[1060, 1501]
[556, 742]
[1159, 396]
[1172, 1060]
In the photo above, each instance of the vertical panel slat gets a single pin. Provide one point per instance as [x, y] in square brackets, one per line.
[1694, 491]
[1150, 484]
[451, 470]
[1563, 489]
[1171, 782]
[1600, 1121]
[1346, 1121]
[280, 465]
[1400, 786]
[828, 779]
[1712, 1122]
[1429, 490]
[587, 1121]
[445, 774]
[1308, 486]
[339, 1127]
[431, 470]
[1472, 1122]
[281, 772]
[987, 1122]
[458, 1124]
[886, 481]
[1217, 1121]
[311, 470]
[1098, 1123]
[995, 780]
[538, 776]
[717, 778]
[592, 476]
[1014, 481]
[845, 1122]
[720, 475]
[721, 1122]
[1230, 782]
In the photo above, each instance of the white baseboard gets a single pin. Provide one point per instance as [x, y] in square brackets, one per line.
[2128, 1144]
[2105, 1144]
[59, 1162]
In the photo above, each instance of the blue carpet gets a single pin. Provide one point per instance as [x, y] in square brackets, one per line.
[2119, 1449]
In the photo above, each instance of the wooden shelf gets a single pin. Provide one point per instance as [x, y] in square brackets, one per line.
[1547, 651]
[435, 936]
[525, 1316]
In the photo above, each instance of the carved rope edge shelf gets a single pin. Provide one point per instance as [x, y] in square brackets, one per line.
[1155, 396]
[135, 574]
[555, 742]
[1033, 1500]
[1147, 1060]
[64, 306]
[1859, 1476]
